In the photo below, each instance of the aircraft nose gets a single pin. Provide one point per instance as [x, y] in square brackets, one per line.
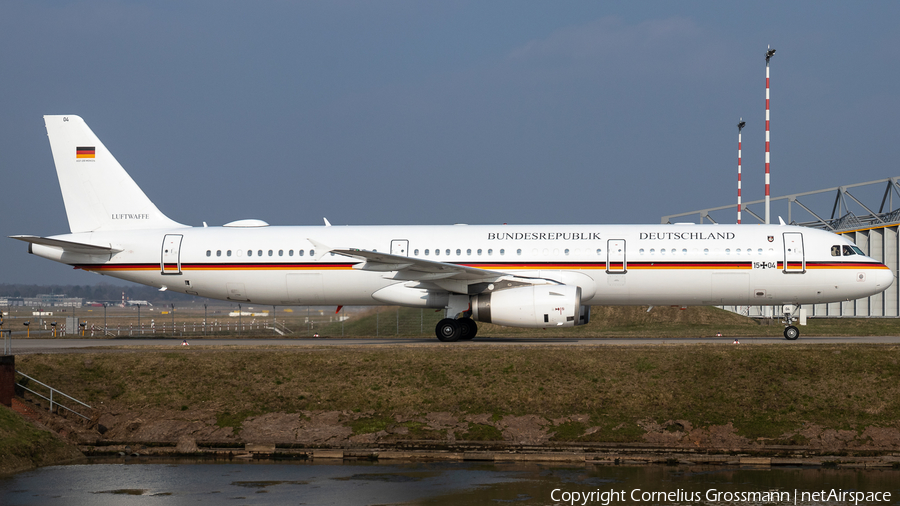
[883, 277]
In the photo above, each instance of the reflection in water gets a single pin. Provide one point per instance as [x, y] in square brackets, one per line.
[118, 482]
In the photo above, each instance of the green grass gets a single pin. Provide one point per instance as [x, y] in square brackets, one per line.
[370, 424]
[22, 445]
[481, 432]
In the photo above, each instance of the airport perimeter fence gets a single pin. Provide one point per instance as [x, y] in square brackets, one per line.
[220, 321]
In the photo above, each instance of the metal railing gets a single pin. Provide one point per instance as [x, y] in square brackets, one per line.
[280, 328]
[53, 392]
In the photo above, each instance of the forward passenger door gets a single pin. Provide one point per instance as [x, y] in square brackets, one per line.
[794, 259]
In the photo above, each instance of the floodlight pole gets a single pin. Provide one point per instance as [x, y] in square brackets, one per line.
[740, 126]
[769, 53]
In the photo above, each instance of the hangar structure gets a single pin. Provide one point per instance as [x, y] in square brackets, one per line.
[865, 216]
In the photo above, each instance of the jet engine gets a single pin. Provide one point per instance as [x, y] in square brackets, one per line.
[536, 306]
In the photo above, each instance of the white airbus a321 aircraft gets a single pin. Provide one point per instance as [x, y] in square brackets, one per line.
[534, 276]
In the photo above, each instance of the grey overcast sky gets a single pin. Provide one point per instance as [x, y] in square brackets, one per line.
[396, 112]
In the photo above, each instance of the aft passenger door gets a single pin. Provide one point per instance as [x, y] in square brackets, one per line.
[400, 247]
[170, 263]
[615, 256]
[794, 259]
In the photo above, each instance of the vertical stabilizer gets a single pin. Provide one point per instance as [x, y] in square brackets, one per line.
[98, 193]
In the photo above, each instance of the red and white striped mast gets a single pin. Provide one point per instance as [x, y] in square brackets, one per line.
[769, 53]
[740, 127]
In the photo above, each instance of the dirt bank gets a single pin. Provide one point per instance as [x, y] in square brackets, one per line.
[717, 398]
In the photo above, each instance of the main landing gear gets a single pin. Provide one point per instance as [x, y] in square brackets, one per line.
[449, 330]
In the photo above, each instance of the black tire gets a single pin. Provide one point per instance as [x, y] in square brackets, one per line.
[448, 330]
[791, 333]
[468, 327]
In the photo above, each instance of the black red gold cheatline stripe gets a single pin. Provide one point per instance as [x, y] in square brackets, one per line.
[217, 266]
[274, 266]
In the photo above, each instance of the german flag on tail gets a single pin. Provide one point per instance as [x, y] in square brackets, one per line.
[84, 152]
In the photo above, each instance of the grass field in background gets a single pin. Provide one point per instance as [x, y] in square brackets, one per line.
[606, 321]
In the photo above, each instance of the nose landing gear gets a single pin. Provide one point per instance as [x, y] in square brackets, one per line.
[791, 333]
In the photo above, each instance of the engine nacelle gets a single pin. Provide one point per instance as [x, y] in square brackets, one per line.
[537, 306]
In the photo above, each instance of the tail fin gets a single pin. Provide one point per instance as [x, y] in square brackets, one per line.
[98, 193]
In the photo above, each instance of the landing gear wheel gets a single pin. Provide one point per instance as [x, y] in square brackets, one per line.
[468, 327]
[448, 330]
[791, 333]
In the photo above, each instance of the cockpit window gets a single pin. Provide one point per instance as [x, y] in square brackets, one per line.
[847, 250]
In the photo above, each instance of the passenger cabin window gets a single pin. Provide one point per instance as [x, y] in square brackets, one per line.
[218, 252]
[312, 252]
[290, 252]
[416, 252]
[208, 253]
[300, 252]
[270, 252]
[281, 252]
[259, 253]
[426, 252]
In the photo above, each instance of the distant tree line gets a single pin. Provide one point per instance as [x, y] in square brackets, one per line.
[102, 292]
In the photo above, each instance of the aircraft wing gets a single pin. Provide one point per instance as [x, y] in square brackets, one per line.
[429, 274]
[415, 268]
[71, 246]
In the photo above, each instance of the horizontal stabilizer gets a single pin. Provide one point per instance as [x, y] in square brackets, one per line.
[70, 246]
